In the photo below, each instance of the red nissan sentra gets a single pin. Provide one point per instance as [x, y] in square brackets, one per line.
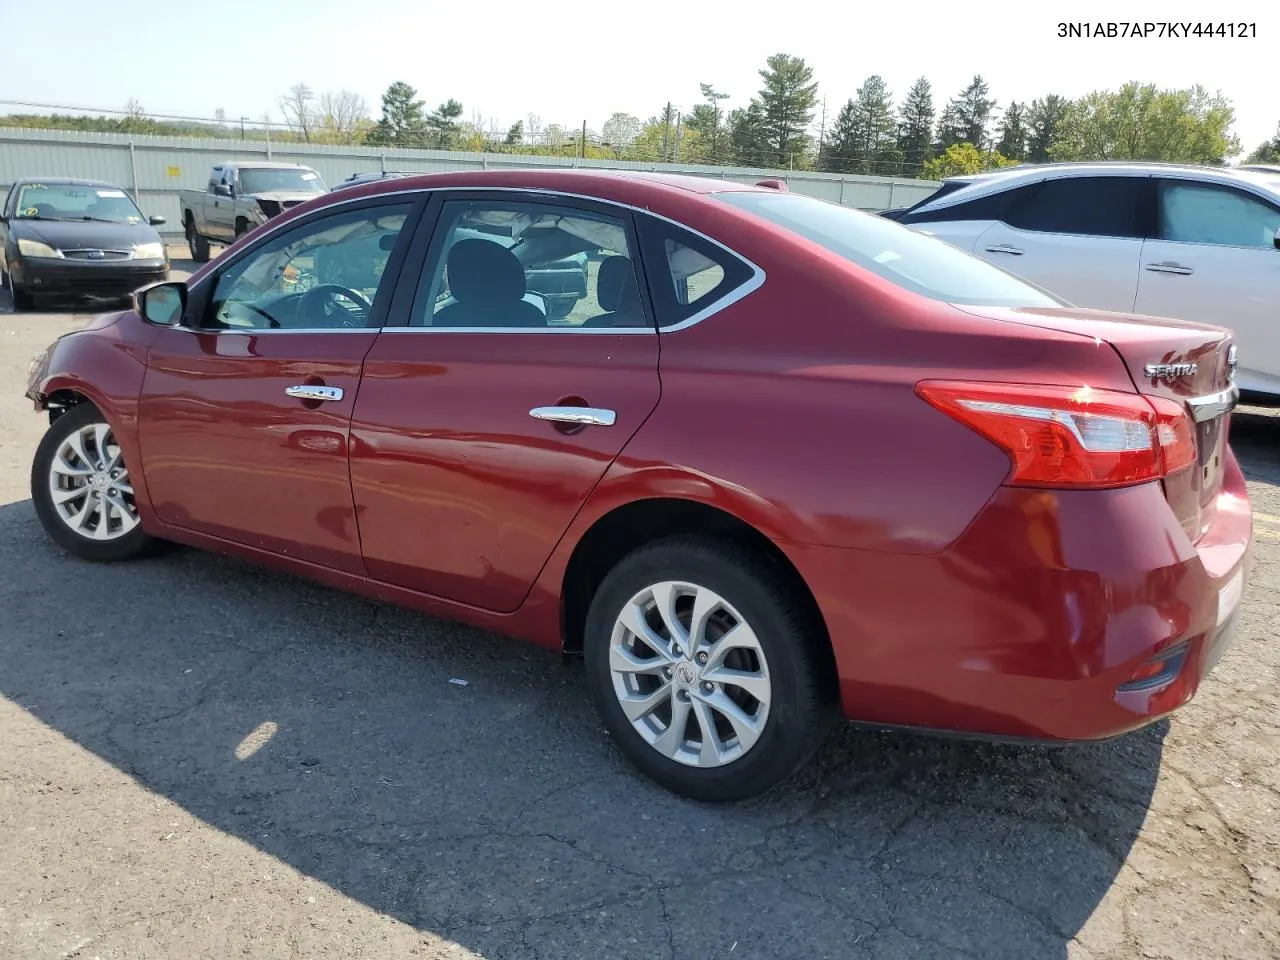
[780, 456]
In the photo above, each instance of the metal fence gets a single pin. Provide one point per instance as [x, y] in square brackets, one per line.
[153, 169]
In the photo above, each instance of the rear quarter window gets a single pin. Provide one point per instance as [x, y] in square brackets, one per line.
[690, 275]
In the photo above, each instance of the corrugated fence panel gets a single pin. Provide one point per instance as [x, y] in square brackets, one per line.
[155, 168]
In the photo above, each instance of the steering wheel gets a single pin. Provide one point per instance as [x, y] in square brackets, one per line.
[322, 300]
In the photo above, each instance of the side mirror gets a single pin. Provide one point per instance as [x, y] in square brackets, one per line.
[1276, 238]
[162, 303]
[156, 221]
[221, 190]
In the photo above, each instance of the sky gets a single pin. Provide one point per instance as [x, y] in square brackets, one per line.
[570, 62]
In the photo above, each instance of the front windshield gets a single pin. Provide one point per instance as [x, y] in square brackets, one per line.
[913, 261]
[280, 180]
[57, 201]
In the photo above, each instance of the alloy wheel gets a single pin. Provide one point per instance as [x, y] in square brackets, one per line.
[89, 485]
[690, 674]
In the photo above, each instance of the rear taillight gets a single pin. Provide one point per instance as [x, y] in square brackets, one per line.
[1072, 436]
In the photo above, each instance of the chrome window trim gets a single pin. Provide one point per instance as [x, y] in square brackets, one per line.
[743, 290]
[276, 331]
[563, 328]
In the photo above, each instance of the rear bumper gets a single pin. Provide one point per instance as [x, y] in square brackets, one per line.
[1033, 624]
[85, 277]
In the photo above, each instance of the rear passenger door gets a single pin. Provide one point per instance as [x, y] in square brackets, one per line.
[484, 419]
[1078, 237]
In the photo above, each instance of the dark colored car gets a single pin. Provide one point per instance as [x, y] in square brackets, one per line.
[785, 456]
[76, 238]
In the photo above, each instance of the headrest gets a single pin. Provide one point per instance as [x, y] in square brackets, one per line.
[481, 271]
[616, 280]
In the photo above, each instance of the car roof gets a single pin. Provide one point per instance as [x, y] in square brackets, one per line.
[970, 186]
[618, 185]
[262, 165]
[65, 182]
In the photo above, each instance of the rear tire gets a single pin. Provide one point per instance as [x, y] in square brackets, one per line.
[763, 728]
[242, 227]
[81, 489]
[199, 245]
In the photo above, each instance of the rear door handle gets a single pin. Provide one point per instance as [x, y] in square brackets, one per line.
[313, 392]
[1168, 266]
[590, 416]
[1005, 248]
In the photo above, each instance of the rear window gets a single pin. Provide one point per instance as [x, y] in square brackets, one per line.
[913, 261]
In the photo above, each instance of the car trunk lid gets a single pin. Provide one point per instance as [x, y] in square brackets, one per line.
[1190, 363]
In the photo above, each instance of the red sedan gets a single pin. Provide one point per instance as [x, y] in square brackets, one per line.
[782, 456]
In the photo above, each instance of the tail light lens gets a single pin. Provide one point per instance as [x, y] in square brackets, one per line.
[1072, 436]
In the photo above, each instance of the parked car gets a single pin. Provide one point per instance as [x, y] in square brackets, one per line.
[793, 457]
[1195, 243]
[240, 197]
[61, 237]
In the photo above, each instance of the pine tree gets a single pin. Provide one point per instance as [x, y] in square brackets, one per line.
[786, 104]
[403, 122]
[1043, 119]
[1013, 133]
[915, 126]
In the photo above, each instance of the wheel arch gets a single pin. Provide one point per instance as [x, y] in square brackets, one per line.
[636, 523]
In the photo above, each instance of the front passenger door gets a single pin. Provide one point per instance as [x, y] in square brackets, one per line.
[245, 412]
[1215, 261]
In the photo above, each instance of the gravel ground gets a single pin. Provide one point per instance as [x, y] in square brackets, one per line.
[202, 759]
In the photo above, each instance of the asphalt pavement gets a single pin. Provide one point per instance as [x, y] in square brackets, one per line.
[202, 759]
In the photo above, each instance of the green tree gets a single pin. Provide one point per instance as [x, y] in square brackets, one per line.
[960, 159]
[786, 101]
[442, 124]
[708, 121]
[1268, 152]
[915, 125]
[404, 122]
[1013, 132]
[838, 151]
[749, 138]
[863, 137]
[950, 128]
[1141, 122]
[968, 115]
[1043, 118]
[515, 134]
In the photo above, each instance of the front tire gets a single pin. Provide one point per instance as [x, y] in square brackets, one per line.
[23, 302]
[81, 489]
[704, 669]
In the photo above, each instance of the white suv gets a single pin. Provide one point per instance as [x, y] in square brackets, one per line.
[1192, 243]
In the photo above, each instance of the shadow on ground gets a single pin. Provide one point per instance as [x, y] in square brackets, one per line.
[497, 814]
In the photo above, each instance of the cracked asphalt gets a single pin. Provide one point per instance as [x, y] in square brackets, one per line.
[202, 759]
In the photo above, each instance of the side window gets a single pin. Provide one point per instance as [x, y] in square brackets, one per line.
[1086, 206]
[322, 275]
[991, 207]
[689, 273]
[529, 264]
[215, 178]
[1200, 213]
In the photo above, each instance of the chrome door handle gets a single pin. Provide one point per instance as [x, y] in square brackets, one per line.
[311, 392]
[591, 416]
[1168, 266]
[1005, 248]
